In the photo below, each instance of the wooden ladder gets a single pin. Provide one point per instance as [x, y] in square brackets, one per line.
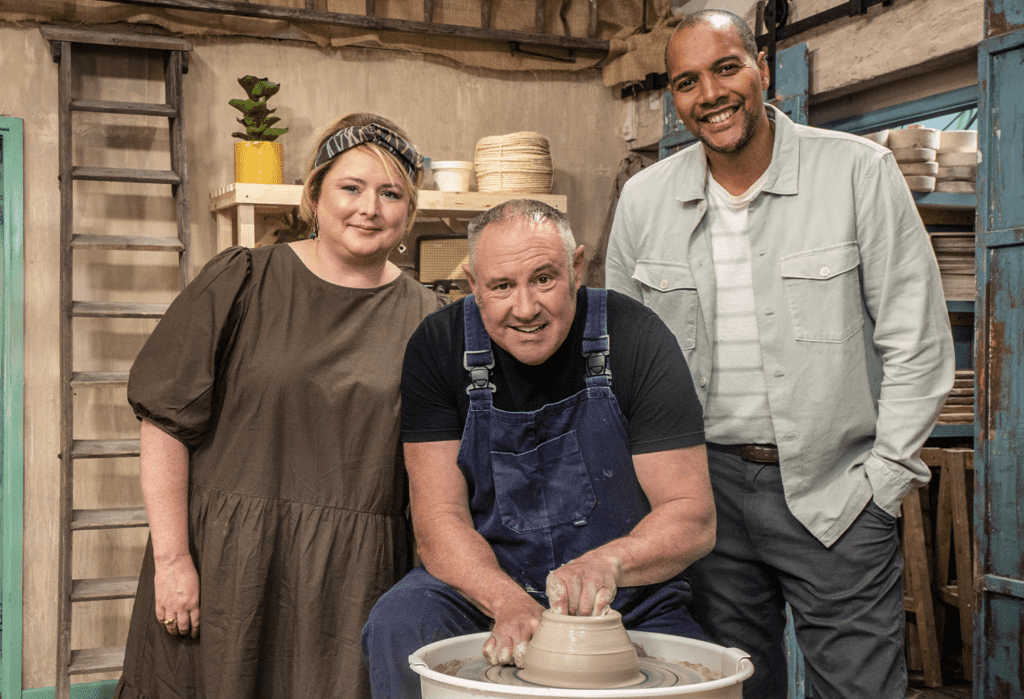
[66, 43]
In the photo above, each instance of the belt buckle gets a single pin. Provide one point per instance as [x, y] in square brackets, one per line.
[760, 454]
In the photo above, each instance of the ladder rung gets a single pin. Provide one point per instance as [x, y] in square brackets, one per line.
[127, 242]
[99, 378]
[140, 108]
[89, 660]
[94, 589]
[103, 448]
[112, 518]
[93, 309]
[159, 42]
[118, 174]
[950, 594]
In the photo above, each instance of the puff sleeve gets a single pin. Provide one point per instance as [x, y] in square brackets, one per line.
[173, 382]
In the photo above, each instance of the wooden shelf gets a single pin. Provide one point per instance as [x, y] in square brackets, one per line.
[237, 204]
[945, 211]
[964, 430]
[945, 200]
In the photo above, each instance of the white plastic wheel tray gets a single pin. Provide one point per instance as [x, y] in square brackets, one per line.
[733, 664]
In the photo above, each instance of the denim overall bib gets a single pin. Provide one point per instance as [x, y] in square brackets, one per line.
[545, 487]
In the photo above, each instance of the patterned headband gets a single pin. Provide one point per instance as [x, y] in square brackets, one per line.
[408, 155]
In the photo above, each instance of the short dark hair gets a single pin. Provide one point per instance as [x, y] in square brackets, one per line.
[530, 210]
[705, 16]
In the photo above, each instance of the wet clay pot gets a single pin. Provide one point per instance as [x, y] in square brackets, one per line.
[581, 652]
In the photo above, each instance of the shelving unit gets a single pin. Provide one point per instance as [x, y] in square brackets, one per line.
[943, 210]
[237, 204]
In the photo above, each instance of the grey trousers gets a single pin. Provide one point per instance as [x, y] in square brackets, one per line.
[847, 600]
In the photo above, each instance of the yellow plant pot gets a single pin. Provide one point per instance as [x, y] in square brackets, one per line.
[259, 162]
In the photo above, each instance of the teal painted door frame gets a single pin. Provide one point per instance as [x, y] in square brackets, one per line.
[12, 387]
[999, 444]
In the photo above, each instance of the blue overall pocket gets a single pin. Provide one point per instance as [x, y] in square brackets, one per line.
[544, 487]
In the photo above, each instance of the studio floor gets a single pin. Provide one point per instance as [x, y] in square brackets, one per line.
[958, 688]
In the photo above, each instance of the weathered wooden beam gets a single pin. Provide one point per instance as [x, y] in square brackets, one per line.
[242, 9]
[592, 24]
[540, 18]
[485, 14]
[428, 11]
[371, 8]
[78, 35]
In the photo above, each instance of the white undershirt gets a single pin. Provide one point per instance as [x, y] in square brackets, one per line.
[737, 409]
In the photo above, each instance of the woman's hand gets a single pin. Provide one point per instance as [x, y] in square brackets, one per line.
[177, 595]
[163, 474]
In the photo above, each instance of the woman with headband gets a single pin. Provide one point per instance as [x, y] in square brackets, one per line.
[269, 401]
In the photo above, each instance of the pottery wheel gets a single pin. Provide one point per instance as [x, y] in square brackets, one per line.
[656, 673]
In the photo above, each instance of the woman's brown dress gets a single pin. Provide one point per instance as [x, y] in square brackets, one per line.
[285, 389]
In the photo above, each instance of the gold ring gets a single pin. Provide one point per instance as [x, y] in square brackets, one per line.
[168, 622]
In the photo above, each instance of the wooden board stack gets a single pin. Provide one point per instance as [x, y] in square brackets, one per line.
[515, 162]
[915, 149]
[954, 251]
[959, 406]
[957, 162]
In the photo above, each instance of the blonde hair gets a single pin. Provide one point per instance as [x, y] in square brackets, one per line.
[315, 176]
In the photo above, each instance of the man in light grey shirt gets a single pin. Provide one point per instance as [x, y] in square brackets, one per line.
[793, 268]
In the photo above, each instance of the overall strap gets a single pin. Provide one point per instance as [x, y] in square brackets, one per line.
[477, 359]
[596, 345]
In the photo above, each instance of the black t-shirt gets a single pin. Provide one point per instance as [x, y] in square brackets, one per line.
[650, 379]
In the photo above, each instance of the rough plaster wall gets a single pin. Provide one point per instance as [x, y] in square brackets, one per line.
[445, 110]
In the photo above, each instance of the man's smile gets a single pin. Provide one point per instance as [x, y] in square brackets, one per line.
[719, 117]
[528, 329]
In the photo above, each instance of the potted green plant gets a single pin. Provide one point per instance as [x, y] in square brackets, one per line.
[258, 158]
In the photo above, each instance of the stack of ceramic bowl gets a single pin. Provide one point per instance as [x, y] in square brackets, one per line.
[957, 161]
[915, 148]
[516, 162]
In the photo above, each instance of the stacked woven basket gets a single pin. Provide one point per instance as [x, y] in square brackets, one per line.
[516, 162]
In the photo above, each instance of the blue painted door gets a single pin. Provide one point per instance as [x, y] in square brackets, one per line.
[999, 444]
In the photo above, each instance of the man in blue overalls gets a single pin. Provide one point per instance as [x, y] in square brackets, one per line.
[536, 479]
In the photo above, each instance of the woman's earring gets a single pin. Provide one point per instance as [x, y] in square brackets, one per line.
[315, 230]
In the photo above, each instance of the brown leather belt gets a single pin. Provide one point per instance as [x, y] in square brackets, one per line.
[758, 453]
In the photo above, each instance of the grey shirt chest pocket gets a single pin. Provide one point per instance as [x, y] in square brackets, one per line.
[824, 294]
[668, 289]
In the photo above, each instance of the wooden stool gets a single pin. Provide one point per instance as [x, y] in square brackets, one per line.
[921, 640]
[953, 536]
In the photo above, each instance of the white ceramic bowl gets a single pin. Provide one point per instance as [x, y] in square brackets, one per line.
[914, 137]
[451, 175]
[958, 141]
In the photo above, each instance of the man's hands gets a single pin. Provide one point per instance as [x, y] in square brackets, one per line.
[583, 587]
[514, 625]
